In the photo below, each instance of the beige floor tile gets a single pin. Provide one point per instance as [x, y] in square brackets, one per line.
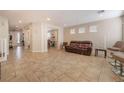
[56, 66]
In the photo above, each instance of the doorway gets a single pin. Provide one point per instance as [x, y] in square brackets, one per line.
[55, 34]
[52, 38]
[16, 39]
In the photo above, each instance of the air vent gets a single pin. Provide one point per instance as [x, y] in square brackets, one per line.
[101, 11]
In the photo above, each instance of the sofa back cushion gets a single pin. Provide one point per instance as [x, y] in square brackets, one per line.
[85, 46]
[81, 44]
[74, 45]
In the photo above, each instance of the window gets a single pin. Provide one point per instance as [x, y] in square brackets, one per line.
[81, 30]
[72, 31]
[93, 28]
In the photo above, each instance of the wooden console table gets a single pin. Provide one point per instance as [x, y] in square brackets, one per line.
[98, 49]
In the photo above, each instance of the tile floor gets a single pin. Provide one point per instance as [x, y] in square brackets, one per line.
[55, 66]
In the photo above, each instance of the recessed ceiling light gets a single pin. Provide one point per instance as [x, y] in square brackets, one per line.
[20, 21]
[48, 19]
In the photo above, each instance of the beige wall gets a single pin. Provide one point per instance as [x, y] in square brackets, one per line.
[4, 30]
[122, 27]
[123, 31]
[109, 31]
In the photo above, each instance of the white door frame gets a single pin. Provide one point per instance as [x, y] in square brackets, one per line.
[60, 34]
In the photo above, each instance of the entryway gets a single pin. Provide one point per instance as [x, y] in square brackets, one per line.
[16, 38]
[52, 38]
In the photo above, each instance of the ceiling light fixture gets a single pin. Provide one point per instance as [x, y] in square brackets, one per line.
[20, 21]
[48, 19]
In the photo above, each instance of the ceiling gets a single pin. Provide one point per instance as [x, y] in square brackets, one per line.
[56, 17]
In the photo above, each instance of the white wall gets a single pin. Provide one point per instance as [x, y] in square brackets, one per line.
[4, 31]
[36, 37]
[109, 29]
[44, 38]
[123, 32]
[122, 27]
[39, 37]
[60, 37]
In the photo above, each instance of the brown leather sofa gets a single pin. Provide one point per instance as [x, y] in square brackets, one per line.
[80, 47]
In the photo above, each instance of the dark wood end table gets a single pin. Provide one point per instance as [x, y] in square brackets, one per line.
[98, 49]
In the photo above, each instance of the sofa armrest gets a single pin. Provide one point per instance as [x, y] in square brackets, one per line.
[114, 49]
[67, 46]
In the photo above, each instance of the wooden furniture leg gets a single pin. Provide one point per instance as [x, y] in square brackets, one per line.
[0, 70]
[121, 69]
[105, 53]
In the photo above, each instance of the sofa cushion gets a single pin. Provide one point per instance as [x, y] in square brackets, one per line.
[73, 44]
[114, 49]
